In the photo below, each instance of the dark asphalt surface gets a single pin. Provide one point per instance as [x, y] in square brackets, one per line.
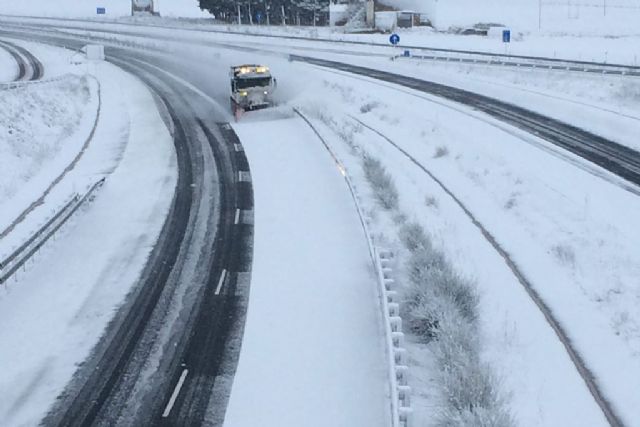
[29, 66]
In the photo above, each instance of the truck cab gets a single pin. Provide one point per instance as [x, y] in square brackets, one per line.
[252, 87]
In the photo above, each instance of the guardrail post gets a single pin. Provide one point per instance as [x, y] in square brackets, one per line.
[388, 284]
[392, 296]
[406, 416]
[400, 356]
[404, 395]
[401, 374]
[397, 338]
[394, 309]
[395, 323]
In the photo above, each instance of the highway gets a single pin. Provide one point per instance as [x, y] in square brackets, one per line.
[202, 261]
[204, 239]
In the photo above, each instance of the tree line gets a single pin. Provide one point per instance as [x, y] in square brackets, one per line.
[269, 12]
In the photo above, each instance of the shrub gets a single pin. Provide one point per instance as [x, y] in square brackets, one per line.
[381, 182]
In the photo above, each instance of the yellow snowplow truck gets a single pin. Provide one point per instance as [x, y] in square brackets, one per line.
[252, 88]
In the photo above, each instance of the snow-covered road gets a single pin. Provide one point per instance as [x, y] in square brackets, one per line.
[313, 352]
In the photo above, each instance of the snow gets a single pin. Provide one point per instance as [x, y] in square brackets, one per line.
[573, 234]
[114, 8]
[313, 350]
[54, 312]
[44, 128]
[8, 67]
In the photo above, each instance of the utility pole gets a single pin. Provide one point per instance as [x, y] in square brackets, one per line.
[539, 15]
[266, 11]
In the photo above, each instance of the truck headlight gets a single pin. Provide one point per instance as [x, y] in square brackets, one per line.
[243, 93]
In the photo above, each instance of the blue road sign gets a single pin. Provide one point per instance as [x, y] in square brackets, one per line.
[506, 36]
[394, 39]
[101, 10]
[258, 16]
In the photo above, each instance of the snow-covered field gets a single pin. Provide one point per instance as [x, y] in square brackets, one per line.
[8, 67]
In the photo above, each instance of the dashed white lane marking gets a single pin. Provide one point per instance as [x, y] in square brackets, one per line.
[176, 392]
[237, 220]
[244, 176]
[221, 281]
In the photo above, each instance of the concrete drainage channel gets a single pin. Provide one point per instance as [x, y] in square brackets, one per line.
[19, 257]
[382, 260]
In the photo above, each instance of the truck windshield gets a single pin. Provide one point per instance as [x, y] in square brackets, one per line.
[253, 82]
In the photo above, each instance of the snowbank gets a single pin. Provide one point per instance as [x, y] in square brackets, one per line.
[8, 68]
[41, 133]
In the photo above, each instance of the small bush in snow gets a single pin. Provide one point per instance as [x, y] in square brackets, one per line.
[413, 236]
[431, 202]
[381, 182]
[564, 254]
[441, 151]
[512, 201]
[365, 108]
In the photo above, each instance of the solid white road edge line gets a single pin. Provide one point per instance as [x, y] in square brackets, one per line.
[221, 281]
[174, 396]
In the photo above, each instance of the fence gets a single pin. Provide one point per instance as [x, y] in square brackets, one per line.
[12, 263]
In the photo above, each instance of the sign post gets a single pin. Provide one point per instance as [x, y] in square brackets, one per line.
[394, 39]
[506, 39]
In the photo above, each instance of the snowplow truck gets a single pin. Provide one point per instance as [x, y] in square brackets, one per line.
[252, 88]
[143, 7]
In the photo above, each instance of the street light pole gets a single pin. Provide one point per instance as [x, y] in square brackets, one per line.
[266, 10]
[539, 15]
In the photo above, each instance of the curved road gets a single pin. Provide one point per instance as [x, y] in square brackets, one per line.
[29, 66]
[191, 301]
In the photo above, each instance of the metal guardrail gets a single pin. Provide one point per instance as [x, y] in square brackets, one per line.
[10, 265]
[526, 63]
[401, 411]
[24, 83]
